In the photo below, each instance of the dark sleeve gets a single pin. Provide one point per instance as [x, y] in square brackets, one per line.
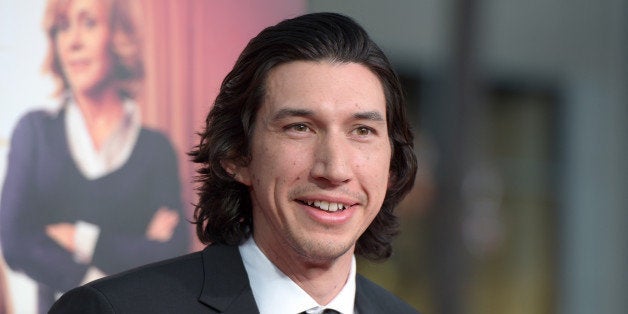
[132, 250]
[85, 299]
[25, 245]
[17, 192]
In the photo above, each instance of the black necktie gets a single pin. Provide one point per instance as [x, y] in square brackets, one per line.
[326, 311]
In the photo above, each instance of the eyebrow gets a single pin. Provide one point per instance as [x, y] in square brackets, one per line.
[289, 112]
[368, 115]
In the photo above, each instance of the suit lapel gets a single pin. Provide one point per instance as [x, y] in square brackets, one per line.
[226, 285]
[364, 302]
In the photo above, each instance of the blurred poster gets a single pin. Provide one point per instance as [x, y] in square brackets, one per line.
[101, 100]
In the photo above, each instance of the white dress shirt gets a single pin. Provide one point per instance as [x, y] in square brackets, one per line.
[276, 293]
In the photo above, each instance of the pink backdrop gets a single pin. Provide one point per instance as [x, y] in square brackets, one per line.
[190, 46]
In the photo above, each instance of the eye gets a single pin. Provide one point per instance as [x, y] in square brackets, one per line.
[90, 22]
[298, 127]
[62, 25]
[363, 131]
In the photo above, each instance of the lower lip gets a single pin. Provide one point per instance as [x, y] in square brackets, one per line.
[329, 218]
[78, 66]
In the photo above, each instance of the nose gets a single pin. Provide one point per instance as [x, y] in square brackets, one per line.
[73, 38]
[76, 39]
[332, 160]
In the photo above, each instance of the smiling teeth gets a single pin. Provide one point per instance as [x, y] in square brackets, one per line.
[327, 206]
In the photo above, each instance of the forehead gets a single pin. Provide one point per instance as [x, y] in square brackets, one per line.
[67, 8]
[323, 85]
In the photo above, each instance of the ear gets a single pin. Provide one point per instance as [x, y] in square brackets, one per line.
[239, 173]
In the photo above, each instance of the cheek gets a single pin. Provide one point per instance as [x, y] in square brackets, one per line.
[282, 161]
[263, 168]
[59, 43]
[105, 60]
[375, 169]
[101, 47]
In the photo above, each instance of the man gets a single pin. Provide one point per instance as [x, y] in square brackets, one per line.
[306, 152]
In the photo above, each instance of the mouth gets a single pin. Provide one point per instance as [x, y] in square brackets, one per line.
[78, 65]
[325, 205]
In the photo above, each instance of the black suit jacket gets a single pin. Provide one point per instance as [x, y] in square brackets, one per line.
[211, 281]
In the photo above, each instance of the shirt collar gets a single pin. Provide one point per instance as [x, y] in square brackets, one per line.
[116, 149]
[275, 292]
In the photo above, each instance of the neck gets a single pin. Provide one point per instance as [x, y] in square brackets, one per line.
[102, 110]
[321, 279]
[99, 98]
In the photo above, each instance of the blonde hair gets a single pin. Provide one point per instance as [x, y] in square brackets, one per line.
[125, 45]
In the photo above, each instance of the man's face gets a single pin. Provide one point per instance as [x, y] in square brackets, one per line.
[320, 158]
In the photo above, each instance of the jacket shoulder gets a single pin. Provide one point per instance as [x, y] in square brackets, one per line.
[38, 120]
[372, 298]
[154, 288]
[178, 270]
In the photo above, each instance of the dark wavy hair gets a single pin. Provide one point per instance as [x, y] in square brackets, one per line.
[223, 213]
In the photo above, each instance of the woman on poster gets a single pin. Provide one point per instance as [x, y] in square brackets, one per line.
[89, 191]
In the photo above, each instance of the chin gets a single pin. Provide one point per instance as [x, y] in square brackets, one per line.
[318, 252]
